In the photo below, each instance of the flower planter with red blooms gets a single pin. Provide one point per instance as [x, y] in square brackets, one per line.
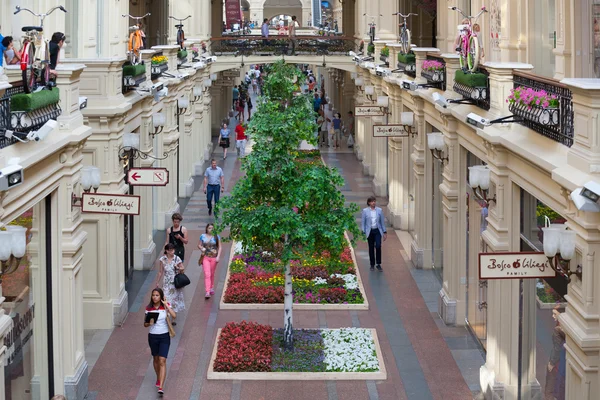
[537, 106]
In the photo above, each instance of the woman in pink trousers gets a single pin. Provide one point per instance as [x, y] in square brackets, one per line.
[210, 245]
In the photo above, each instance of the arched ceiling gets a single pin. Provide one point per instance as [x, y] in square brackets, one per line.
[282, 3]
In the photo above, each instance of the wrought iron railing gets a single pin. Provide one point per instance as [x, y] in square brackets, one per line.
[5, 115]
[478, 96]
[436, 77]
[281, 45]
[563, 131]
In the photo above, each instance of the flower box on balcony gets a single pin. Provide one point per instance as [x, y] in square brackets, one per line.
[471, 79]
[433, 71]
[545, 116]
[157, 69]
[34, 101]
[134, 70]
[182, 54]
[533, 105]
[406, 58]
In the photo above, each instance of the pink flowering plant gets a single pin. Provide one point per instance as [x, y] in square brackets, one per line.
[528, 97]
[433, 66]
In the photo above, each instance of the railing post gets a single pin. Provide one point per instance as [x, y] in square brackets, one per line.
[452, 62]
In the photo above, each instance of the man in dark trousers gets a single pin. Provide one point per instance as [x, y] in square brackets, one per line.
[373, 226]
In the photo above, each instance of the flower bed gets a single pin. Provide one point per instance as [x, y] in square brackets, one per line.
[247, 350]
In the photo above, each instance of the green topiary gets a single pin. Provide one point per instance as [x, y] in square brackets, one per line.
[406, 58]
[134, 70]
[182, 54]
[471, 79]
[34, 101]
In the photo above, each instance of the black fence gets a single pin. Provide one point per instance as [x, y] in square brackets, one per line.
[282, 45]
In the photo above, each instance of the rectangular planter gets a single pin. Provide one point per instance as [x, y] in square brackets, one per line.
[434, 76]
[159, 69]
[34, 101]
[297, 306]
[538, 115]
[298, 376]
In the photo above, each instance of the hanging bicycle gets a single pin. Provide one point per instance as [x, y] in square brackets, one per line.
[180, 33]
[136, 40]
[467, 43]
[372, 26]
[35, 59]
[404, 32]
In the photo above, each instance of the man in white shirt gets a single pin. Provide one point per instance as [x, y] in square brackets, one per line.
[292, 33]
[373, 226]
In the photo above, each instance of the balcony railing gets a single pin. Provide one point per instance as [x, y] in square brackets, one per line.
[563, 131]
[5, 115]
[478, 96]
[280, 45]
[436, 77]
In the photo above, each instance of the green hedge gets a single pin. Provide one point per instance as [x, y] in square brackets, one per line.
[34, 101]
[471, 79]
[406, 58]
[134, 70]
[182, 54]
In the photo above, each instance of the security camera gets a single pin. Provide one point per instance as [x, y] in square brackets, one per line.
[10, 176]
[583, 197]
[44, 131]
[157, 87]
[210, 59]
[440, 100]
[82, 102]
[477, 121]
[379, 71]
[410, 85]
[352, 54]
[199, 65]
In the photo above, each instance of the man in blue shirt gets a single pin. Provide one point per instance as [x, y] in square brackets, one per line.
[317, 103]
[214, 183]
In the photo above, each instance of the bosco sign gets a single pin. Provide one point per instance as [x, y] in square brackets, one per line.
[514, 266]
[389, 131]
[110, 204]
[367, 111]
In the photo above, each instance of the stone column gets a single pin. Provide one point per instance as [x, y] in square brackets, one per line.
[360, 121]
[379, 150]
[169, 144]
[501, 83]
[452, 61]
[368, 167]
[396, 183]
[387, 27]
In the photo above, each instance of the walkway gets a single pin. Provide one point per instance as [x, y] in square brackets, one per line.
[424, 359]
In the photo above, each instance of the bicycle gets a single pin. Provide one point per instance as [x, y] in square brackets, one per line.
[136, 40]
[468, 47]
[180, 33]
[405, 32]
[35, 59]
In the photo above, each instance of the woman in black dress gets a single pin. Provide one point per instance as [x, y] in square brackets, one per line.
[177, 235]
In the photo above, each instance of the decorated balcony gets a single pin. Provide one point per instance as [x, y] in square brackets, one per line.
[280, 45]
[473, 87]
[407, 62]
[158, 65]
[133, 75]
[434, 71]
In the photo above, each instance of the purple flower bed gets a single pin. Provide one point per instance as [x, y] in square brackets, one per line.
[308, 354]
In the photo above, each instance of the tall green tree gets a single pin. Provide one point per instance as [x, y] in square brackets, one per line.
[292, 208]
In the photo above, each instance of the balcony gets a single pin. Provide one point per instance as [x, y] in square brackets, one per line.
[473, 87]
[280, 45]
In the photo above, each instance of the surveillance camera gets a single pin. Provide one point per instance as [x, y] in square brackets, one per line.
[210, 59]
[157, 87]
[82, 102]
[410, 85]
[44, 131]
[477, 121]
[10, 176]
[199, 65]
[379, 71]
[584, 203]
[440, 100]
[352, 54]
[591, 191]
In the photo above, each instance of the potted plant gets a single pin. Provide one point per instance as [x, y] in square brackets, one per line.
[195, 52]
[361, 46]
[533, 105]
[158, 64]
[370, 48]
[433, 70]
[384, 54]
[407, 62]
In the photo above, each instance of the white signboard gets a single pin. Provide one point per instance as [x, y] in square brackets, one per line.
[232, 73]
[148, 177]
[106, 203]
[514, 266]
[367, 111]
[394, 130]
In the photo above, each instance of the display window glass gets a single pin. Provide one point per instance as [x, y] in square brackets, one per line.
[596, 37]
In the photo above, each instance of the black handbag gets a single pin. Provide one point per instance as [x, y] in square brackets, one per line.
[181, 280]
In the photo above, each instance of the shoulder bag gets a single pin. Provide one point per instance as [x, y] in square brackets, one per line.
[181, 280]
[170, 325]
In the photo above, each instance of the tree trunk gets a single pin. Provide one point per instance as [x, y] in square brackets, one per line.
[288, 302]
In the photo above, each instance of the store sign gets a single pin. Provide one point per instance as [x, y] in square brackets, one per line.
[233, 12]
[21, 332]
[394, 130]
[231, 73]
[514, 266]
[367, 111]
[105, 203]
[148, 177]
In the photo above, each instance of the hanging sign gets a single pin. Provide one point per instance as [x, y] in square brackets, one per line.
[514, 266]
[367, 111]
[392, 130]
[231, 73]
[148, 177]
[233, 13]
[106, 203]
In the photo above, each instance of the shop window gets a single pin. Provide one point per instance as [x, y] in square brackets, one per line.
[550, 338]
[26, 369]
[542, 37]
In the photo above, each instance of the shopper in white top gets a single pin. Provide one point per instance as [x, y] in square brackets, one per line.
[159, 338]
[373, 226]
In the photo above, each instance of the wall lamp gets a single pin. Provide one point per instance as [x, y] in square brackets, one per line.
[479, 180]
[90, 178]
[384, 103]
[407, 120]
[207, 83]
[182, 105]
[369, 92]
[130, 150]
[559, 247]
[213, 77]
[435, 142]
[158, 121]
[13, 246]
[359, 84]
[197, 93]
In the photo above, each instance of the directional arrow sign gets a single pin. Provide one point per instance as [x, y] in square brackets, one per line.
[148, 176]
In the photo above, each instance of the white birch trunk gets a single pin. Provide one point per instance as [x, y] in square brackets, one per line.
[288, 302]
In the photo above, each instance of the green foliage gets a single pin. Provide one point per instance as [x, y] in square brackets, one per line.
[276, 199]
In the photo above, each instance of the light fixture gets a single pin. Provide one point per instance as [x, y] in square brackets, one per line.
[384, 103]
[559, 247]
[479, 180]
[407, 120]
[131, 150]
[353, 75]
[435, 142]
[197, 93]
[13, 246]
[90, 178]
[369, 92]
[182, 105]
[213, 77]
[207, 83]
[359, 83]
[158, 122]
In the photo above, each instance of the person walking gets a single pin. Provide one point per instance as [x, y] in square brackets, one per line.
[373, 226]
[210, 245]
[224, 140]
[177, 235]
[337, 130]
[236, 95]
[159, 338]
[171, 265]
[264, 31]
[214, 183]
[292, 34]
[249, 107]
[241, 138]
[324, 134]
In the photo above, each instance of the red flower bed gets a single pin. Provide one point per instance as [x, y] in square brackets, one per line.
[333, 295]
[309, 273]
[244, 347]
[241, 289]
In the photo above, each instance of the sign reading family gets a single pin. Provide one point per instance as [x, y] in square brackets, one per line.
[396, 130]
[514, 266]
[104, 203]
[367, 111]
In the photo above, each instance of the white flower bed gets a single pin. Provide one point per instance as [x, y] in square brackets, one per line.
[351, 281]
[319, 281]
[237, 248]
[350, 350]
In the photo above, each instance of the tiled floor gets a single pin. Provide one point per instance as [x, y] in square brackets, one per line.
[424, 358]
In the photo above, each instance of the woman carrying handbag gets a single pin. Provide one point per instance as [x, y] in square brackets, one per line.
[224, 140]
[170, 266]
